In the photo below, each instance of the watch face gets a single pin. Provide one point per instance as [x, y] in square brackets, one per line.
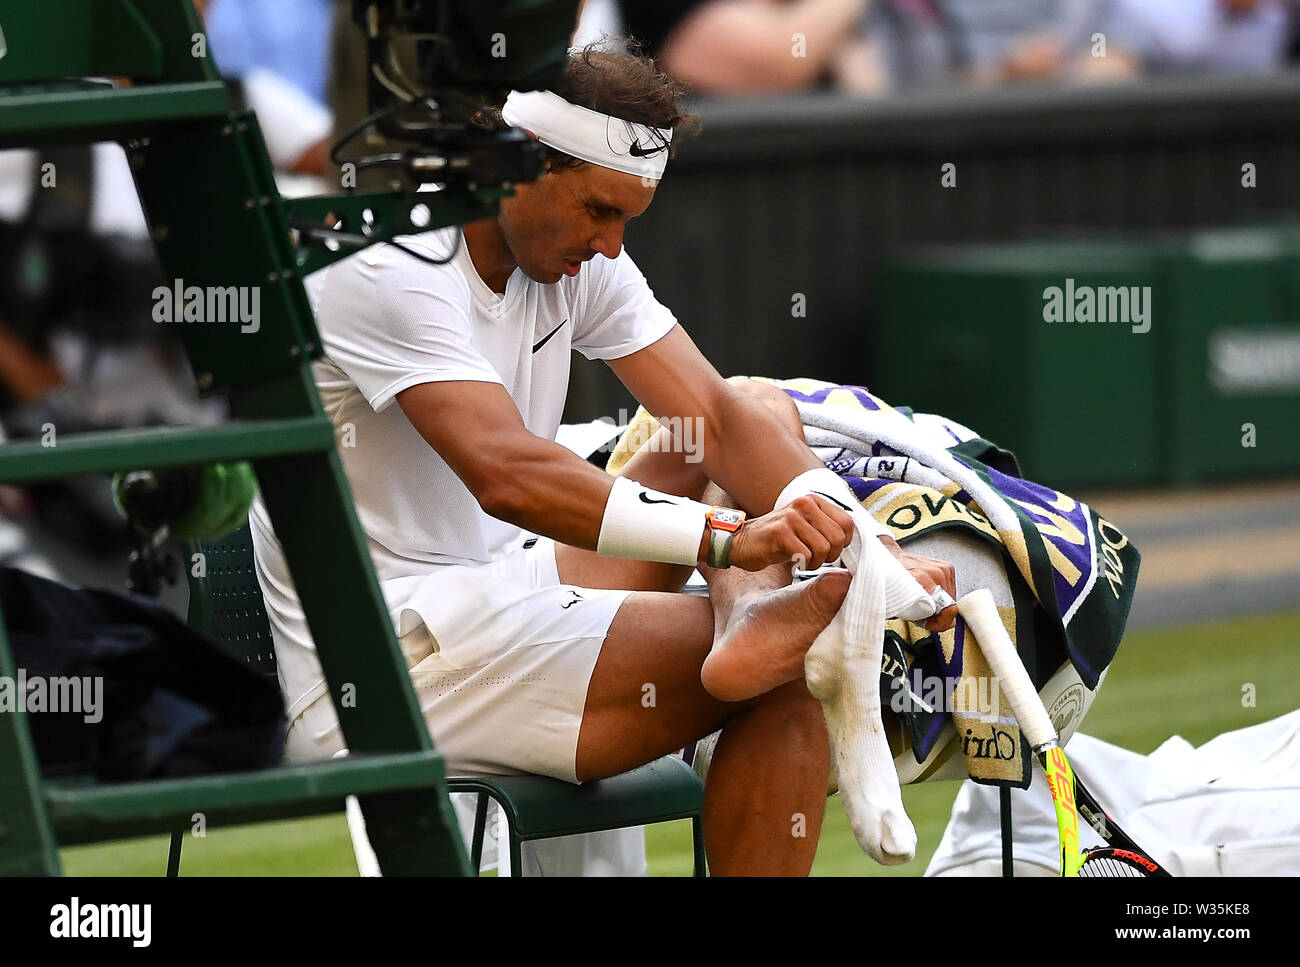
[726, 518]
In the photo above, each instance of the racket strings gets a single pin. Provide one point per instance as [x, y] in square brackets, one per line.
[1109, 866]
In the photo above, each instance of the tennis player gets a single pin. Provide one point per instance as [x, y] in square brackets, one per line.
[573, 654]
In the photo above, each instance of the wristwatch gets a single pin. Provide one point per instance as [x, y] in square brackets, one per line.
[723, 522]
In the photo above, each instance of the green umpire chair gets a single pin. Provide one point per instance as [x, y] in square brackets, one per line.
[219, 224]
[227, 605]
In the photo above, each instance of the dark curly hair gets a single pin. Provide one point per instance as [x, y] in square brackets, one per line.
[623, 83]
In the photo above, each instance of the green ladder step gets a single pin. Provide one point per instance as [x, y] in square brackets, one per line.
[30, 116]
[83, 813]
[110, 450]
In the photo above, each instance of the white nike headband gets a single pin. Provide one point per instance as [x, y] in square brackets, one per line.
[636, 149]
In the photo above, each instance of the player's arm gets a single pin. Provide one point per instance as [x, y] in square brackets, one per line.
[745, 448]
[517, 476]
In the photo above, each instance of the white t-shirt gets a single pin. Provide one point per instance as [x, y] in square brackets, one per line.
[389, 321]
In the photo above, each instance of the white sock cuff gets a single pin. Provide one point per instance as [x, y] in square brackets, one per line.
[829, 484]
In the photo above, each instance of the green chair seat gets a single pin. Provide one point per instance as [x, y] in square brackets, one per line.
[538, 807]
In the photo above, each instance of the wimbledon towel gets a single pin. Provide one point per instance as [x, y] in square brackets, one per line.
[1073, 573]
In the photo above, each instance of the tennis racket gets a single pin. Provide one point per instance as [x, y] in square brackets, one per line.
[1121, 856]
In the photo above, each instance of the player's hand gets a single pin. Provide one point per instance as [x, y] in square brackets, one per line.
[809, 531]
[930, 574]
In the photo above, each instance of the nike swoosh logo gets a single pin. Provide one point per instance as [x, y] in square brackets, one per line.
[547, 337]
[636, 151]
[647, 500]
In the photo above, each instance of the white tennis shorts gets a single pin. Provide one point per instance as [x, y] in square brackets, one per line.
[503, 655]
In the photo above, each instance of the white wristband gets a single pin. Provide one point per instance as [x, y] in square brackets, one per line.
[646, 525]
[829, 484]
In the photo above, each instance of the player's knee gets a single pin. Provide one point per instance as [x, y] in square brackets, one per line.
[801, 715]
[775, 399]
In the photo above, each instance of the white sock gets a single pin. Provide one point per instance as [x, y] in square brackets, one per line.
[842, 669]
[904, 596]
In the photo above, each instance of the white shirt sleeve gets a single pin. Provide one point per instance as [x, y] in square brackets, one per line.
[391, 322]
[620, 314]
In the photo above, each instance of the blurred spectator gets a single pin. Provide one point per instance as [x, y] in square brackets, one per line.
[901, 44]
[722, 47]
[297, 130]
[1011, 40]
[1205, 35]
[78, 269]
[287, 37]
[275, 54]
[79, 349]
[745, 46]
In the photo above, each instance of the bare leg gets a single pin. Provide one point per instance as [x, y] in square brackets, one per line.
[766, 789]
[766, 793]
[765, 796]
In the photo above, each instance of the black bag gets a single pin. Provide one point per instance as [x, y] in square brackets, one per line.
[171, 702]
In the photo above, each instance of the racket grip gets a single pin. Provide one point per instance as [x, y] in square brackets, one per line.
[980, 612]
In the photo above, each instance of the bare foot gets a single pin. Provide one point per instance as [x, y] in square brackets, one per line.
[764, 644]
